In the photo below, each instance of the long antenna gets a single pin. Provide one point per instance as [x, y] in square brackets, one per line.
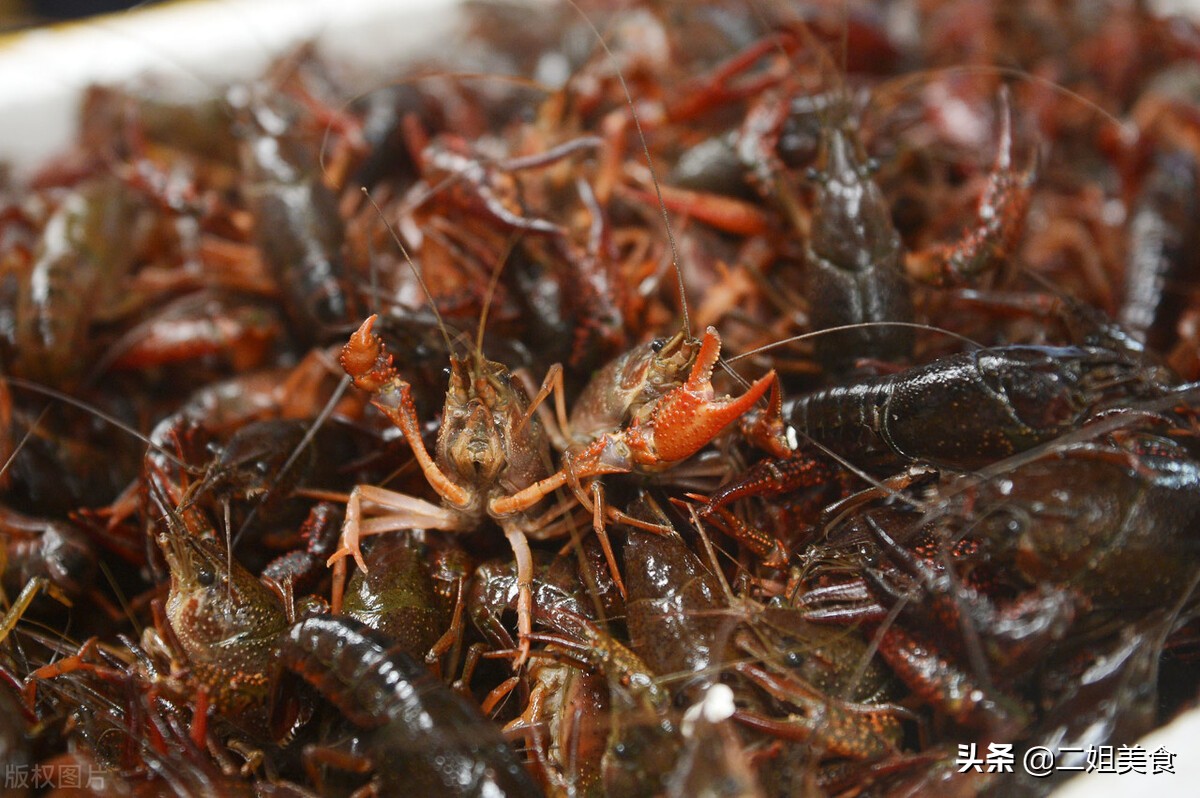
[34, 387]
[416, 272]
[637, 123]
[842, 328]
[491, 293]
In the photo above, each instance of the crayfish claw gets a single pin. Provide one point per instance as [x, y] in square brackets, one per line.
[688, 418]
[366, 359]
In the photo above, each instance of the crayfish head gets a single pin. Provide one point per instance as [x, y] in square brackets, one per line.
[669, 364]
[626, 389]
[485, 435]
[475, 448]
[653, 370]
[472, 442]
[225, 620]
[214, 601]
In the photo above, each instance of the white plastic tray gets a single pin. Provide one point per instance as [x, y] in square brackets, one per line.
[192, 47]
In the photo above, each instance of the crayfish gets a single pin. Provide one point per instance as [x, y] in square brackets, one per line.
[492, 451]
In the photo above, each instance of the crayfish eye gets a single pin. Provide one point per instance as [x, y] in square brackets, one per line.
[205, 577]
[657, 345]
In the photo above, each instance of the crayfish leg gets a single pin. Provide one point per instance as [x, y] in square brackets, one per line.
[524, 558]
[21, 604]
[366, 360]
[82, 661]
[406, 512]
[769, 549]
[452, 638]
[557, 426]
[598, 511]
[498, 694]
[1000, 217]
[841, 728]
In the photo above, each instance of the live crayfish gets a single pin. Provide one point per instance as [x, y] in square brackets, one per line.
[495, 451]
[990, 546]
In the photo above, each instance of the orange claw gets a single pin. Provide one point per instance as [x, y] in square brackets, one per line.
[688, 417]
[767, 429]
[366, 359]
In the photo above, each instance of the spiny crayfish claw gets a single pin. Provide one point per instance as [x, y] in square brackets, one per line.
[1000, 219]
[767, 430]
[688, 417]
[366, 359]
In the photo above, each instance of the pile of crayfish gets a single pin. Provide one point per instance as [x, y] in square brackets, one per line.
[724, 398]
